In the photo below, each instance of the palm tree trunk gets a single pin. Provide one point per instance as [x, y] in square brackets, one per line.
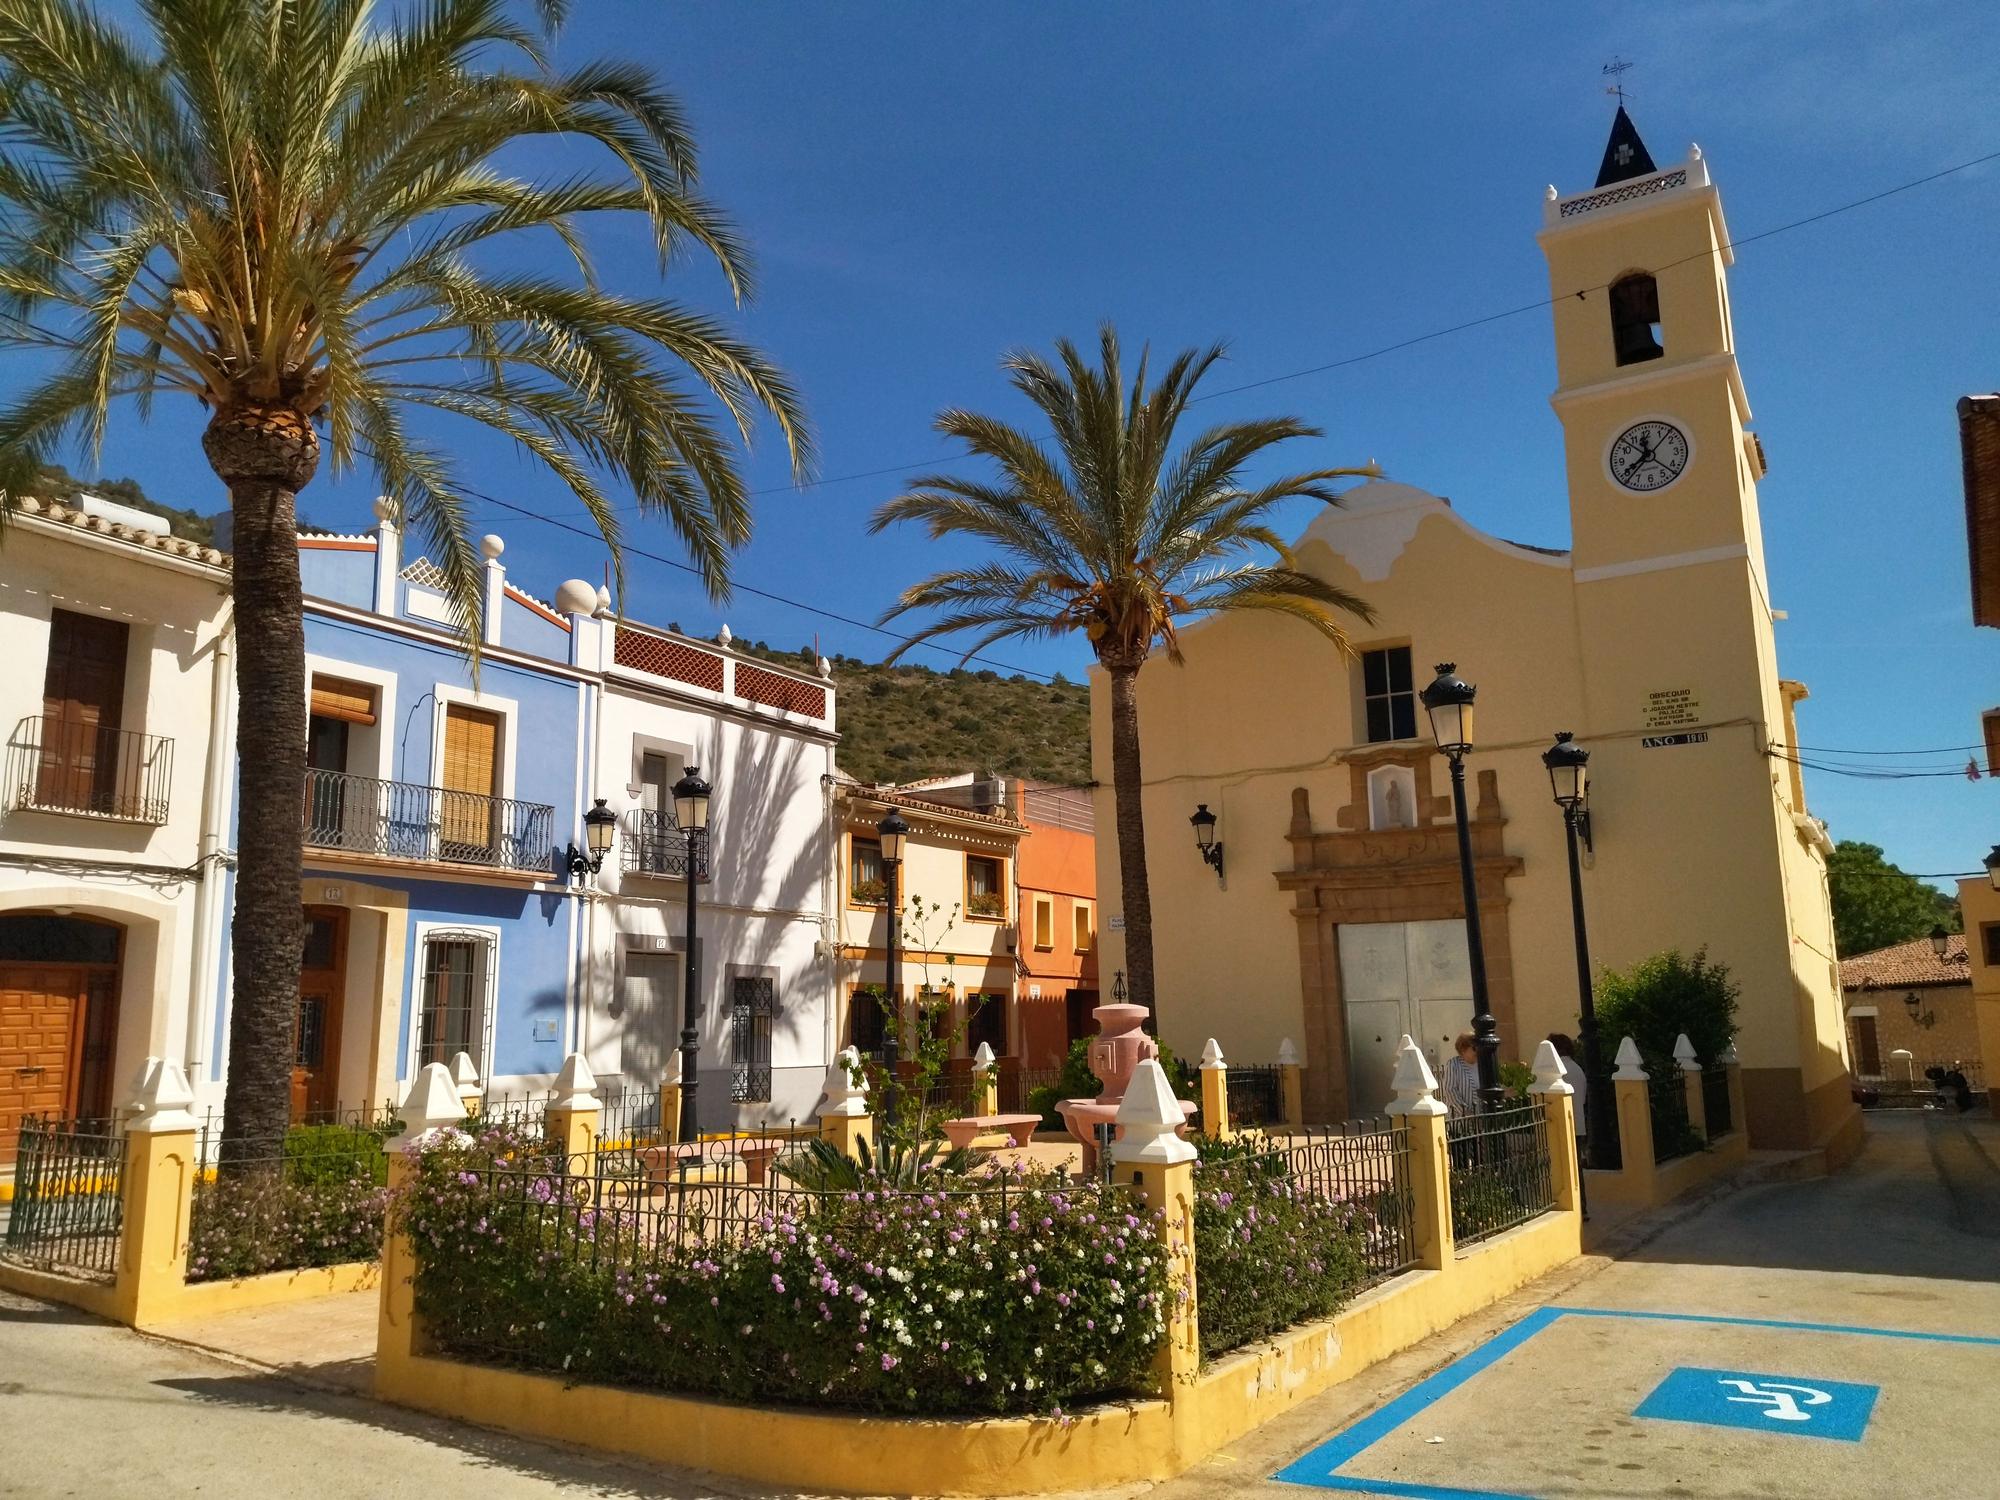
[1134, 893]
[265, 456]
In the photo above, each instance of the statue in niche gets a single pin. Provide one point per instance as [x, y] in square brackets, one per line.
[1398, 817]
[1392, 798]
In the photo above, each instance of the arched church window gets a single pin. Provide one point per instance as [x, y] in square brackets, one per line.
[1635, 318]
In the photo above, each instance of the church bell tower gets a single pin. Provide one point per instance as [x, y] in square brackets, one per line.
[1662, 466]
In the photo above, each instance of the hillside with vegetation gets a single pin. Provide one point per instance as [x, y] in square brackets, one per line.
[901, 723]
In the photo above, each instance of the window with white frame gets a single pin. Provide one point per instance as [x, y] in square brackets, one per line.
[454, 996]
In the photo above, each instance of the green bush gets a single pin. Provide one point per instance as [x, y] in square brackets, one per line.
[1268, 1252]
[321, 1154]
[976, 1300]
[1659, 998]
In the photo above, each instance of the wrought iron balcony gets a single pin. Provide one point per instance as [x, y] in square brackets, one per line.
[406, 820]
[62, 766]
[654, 844]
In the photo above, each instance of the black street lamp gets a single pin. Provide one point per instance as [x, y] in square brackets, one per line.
[598, 826]
[1940, 942]
[691, 796]
[1992, 863]
[1568, 765]
[1448, 702]
[1204, 838]
[893, 831]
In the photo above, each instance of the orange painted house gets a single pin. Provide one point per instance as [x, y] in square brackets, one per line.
[1055, 875]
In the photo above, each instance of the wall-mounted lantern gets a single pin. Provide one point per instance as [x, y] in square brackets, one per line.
[599, 824]
[1204, 838]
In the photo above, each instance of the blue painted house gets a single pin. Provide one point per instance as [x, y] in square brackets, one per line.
[438, 812]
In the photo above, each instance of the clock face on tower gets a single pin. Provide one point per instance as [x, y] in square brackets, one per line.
[1648, 455]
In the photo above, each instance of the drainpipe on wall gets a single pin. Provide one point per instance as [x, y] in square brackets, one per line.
[829, 917]
[214, 812]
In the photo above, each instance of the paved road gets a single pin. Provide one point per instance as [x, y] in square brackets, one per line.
[96, 1412]
[1886, 1275]
[1907, 1241]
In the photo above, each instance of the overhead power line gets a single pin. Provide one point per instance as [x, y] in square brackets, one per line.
[591, 534]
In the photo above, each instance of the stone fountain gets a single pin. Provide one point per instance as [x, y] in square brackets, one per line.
[1120, 1045]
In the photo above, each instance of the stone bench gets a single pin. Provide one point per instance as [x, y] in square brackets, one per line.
[1019, 1129]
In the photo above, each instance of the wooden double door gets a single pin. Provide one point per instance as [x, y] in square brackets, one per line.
[58, 1031]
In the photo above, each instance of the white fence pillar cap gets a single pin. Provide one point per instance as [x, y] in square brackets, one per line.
[1630, 1067]
[983, 1059]
[1211, 1056]
[1288, 1055]
[431, 1104]
[1684, 1054]
[845, 1094]
[465, 1074]
[1415, 1083]
[161, 1099]
[1549, 1075]
[576, 1085]
[1149, 1120]
[1729, 1059]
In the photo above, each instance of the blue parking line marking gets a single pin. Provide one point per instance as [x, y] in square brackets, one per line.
[1316, 1467]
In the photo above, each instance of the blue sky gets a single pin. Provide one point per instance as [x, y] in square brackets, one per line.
[927, 186]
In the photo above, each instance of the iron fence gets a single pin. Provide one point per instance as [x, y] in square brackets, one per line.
[1950, 1083]
[68, 1210]
[523, 1111]
[1256, 1096]
[1365, 1163]
[408, 820]
[1667, 1101]
[1017, 1085]
[1499, 1170]
[63, 765]
[1715, 1101]
[314, 1196]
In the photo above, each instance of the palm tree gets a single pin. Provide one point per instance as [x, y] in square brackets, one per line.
[304, 214]
[1118, 537]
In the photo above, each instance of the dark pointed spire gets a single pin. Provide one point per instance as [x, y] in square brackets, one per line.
[1625, 155]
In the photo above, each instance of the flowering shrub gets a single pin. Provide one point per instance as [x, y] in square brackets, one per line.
[1018, 1292]
[319, 1204]
[1268, 1251]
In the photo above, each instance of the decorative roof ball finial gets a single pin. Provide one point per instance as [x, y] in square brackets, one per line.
[723, 637]
[385, 508]
[491, 546]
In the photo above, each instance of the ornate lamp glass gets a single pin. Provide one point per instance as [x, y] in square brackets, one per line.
[599, 824]
[1204, 827]
[1448, 701]
[1940, 941]
[1568, 765]
[892, 831]
[691, 796]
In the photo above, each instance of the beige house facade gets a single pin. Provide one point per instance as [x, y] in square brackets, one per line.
[1338, 920]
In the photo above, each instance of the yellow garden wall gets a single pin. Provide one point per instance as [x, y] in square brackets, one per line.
[1128, 1443]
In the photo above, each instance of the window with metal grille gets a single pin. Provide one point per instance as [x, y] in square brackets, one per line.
[988, 1023]
[754, 1001]
[1388, 697]
[457, 969]
[864, 1022]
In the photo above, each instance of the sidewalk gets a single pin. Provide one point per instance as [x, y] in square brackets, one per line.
[328, 1342]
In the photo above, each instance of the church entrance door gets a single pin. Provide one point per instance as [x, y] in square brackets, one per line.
[1399, 978]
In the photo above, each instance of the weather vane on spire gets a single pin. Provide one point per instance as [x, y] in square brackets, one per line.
[1616, 70]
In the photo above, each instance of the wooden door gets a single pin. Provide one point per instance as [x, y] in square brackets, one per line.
[470, 781]
[41, 1008]
[316, 1039]
[83, 697]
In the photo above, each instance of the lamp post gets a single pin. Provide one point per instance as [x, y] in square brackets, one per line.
[691, 796]
[1940, 942]
[893, 831]
[599, 824]
[1448, 702]
[1992, 863]
[1568, 766]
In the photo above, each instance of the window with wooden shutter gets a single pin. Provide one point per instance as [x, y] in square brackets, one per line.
[1045, 922]
[338, 698]
[470, 783]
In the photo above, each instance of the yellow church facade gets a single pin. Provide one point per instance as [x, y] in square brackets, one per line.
[1337, 921]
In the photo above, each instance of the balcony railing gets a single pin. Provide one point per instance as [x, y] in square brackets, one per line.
[653, 844]
[60, 765]
[406, 820]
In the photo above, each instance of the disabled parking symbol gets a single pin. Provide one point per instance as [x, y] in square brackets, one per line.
[1793, 1405]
